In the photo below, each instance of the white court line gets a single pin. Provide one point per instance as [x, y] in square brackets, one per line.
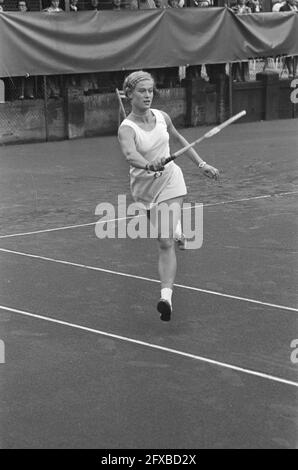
[148, 279]
[67, 227]
[250, 198]
[153, 346]
[64, 228]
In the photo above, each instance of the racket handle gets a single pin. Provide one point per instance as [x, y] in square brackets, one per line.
[170, 159]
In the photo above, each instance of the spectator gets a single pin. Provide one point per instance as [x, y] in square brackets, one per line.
[169, 76]
[291, 62]
[255, 5]
[277, 5]
[53, 86]
[54, 81]
[147, 4]
[240, 70]
[24, 85]
[290, 5]
[94, 5]
[176, 3]
[117, 5]
[89, 81]
[200, 3]
[73, 6]
[203, 3]
[132, 5]
[194, 71]
[241, 8]
[22, 6]
[54, 7]
[3, 83]
[74, 79]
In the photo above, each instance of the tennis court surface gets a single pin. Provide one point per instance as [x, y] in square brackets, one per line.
[88, 363]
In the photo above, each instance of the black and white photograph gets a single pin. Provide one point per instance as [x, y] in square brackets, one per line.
[148, 229]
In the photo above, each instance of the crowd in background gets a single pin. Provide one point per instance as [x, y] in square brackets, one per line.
[238, 6]
[27, 87]
[81, 5]
[56, 6]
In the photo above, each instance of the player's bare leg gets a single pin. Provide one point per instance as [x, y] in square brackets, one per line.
[167, 262]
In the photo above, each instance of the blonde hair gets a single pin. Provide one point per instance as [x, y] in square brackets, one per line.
[134, 78]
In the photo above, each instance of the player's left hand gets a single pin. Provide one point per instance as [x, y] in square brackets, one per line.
[210, 171]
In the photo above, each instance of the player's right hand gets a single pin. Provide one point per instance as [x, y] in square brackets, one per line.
[157, 164]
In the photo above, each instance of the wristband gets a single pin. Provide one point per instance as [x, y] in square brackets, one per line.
[202, 164]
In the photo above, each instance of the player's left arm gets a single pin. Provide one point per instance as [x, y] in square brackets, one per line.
[178, 139]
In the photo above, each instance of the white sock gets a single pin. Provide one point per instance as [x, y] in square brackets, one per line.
[178, 231]
[166, 293]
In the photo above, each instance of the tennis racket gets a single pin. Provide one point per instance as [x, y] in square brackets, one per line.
[122, 113]
[208, 134]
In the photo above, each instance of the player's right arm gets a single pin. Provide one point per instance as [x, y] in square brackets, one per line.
[126, 138]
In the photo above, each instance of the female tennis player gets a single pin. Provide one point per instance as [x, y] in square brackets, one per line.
[144, 139]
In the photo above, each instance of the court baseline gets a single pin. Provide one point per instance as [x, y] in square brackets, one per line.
[153, 346]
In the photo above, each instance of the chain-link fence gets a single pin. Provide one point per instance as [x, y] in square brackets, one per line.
[278, 65]
[22, 121]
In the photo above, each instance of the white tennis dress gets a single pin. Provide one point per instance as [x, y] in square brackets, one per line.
[145, 188]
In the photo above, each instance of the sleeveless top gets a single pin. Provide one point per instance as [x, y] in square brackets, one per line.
[144, 186]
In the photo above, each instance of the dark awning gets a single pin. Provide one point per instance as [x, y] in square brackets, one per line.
[57, 43]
